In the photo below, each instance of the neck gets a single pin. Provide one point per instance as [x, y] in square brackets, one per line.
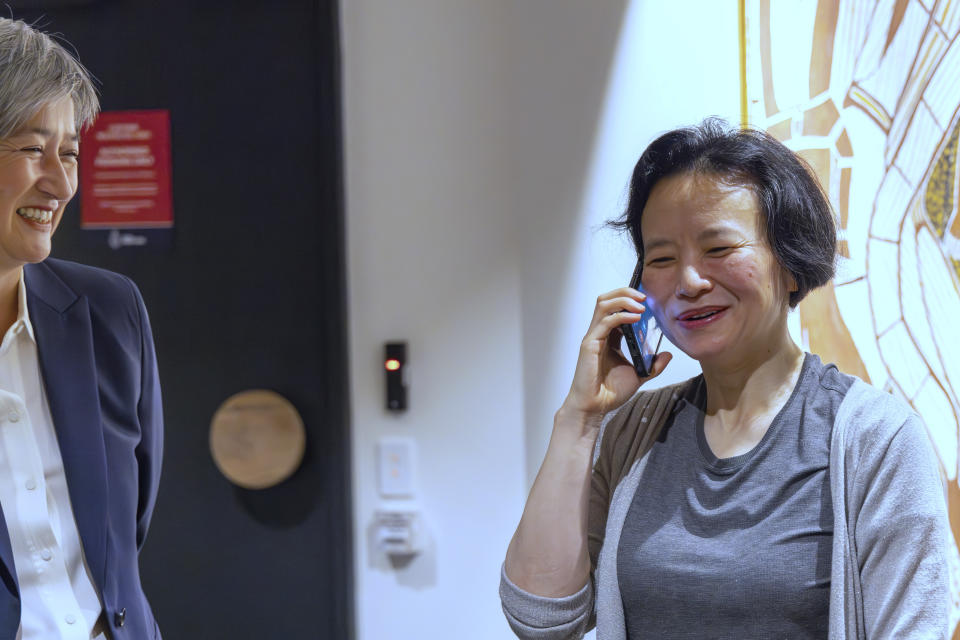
[9, 301]
[753, 385]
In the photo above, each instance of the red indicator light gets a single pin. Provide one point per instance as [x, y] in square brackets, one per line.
[392, 364]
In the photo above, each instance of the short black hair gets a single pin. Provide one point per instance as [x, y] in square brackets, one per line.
[796, 214]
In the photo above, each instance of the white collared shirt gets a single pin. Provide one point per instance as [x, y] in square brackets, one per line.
[58, 598]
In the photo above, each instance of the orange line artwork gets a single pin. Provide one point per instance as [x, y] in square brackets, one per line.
[876, 113]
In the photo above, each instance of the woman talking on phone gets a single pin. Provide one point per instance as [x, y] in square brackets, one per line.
[770, 497]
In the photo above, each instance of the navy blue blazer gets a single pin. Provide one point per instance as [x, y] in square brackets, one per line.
[99, 369]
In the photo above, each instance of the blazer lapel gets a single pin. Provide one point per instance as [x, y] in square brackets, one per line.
[61, 323]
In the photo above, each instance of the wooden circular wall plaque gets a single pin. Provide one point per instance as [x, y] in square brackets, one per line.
[257, 439]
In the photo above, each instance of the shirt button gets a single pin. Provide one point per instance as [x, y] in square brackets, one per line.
[31, 484]
[46, 554]
[13, 417]
[70, 618]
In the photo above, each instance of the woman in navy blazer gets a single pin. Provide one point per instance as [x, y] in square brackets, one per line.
[93, 342]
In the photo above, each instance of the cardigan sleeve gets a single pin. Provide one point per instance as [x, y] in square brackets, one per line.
[625, 435]
[534, 617]
[900, 533]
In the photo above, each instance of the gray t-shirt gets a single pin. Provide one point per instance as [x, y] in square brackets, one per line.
[737, 547]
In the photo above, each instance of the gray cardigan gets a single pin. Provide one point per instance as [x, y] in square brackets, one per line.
[889, 573]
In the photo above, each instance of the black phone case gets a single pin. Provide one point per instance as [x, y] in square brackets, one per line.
[631, 331]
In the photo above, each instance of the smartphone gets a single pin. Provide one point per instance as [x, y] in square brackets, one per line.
[643, 337]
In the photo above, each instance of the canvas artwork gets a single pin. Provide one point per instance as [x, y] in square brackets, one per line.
[868, 91]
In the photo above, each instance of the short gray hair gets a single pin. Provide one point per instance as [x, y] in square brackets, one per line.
[36, 70]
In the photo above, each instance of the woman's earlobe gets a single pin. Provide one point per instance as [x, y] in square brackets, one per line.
[792, 286]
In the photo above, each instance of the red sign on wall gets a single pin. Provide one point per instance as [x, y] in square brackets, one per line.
[125, 171]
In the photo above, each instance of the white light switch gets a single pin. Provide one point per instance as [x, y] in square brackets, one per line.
[396, 459]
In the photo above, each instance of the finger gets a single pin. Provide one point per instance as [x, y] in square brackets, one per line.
[660, 363]
[602, 329]
[622, 293]
[613, 305]
[623, 302]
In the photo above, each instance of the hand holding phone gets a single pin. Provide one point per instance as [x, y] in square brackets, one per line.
[644, 336]
[603, 379]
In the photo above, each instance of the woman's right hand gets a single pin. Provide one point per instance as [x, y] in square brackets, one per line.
[548, 554]
[604, 378]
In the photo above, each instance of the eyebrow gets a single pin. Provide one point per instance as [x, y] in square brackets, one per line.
[706, 234]
[46, 133]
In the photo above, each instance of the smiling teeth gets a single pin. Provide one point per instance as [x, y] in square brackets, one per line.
[37, 215]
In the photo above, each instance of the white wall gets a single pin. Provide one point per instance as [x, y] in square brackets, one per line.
[432, 260]
[666, 64]
[484, 143]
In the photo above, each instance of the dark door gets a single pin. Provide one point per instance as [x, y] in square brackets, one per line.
[249, 295]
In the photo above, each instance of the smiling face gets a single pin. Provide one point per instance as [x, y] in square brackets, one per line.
[38, 176]
[720, 294]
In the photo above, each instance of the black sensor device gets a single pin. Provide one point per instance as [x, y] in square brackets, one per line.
[395, 363]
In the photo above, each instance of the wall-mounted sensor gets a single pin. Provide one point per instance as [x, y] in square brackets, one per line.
[395, 366]
[398, 532]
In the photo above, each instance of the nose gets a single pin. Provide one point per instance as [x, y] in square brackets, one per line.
[58, 179]
[692, 282]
